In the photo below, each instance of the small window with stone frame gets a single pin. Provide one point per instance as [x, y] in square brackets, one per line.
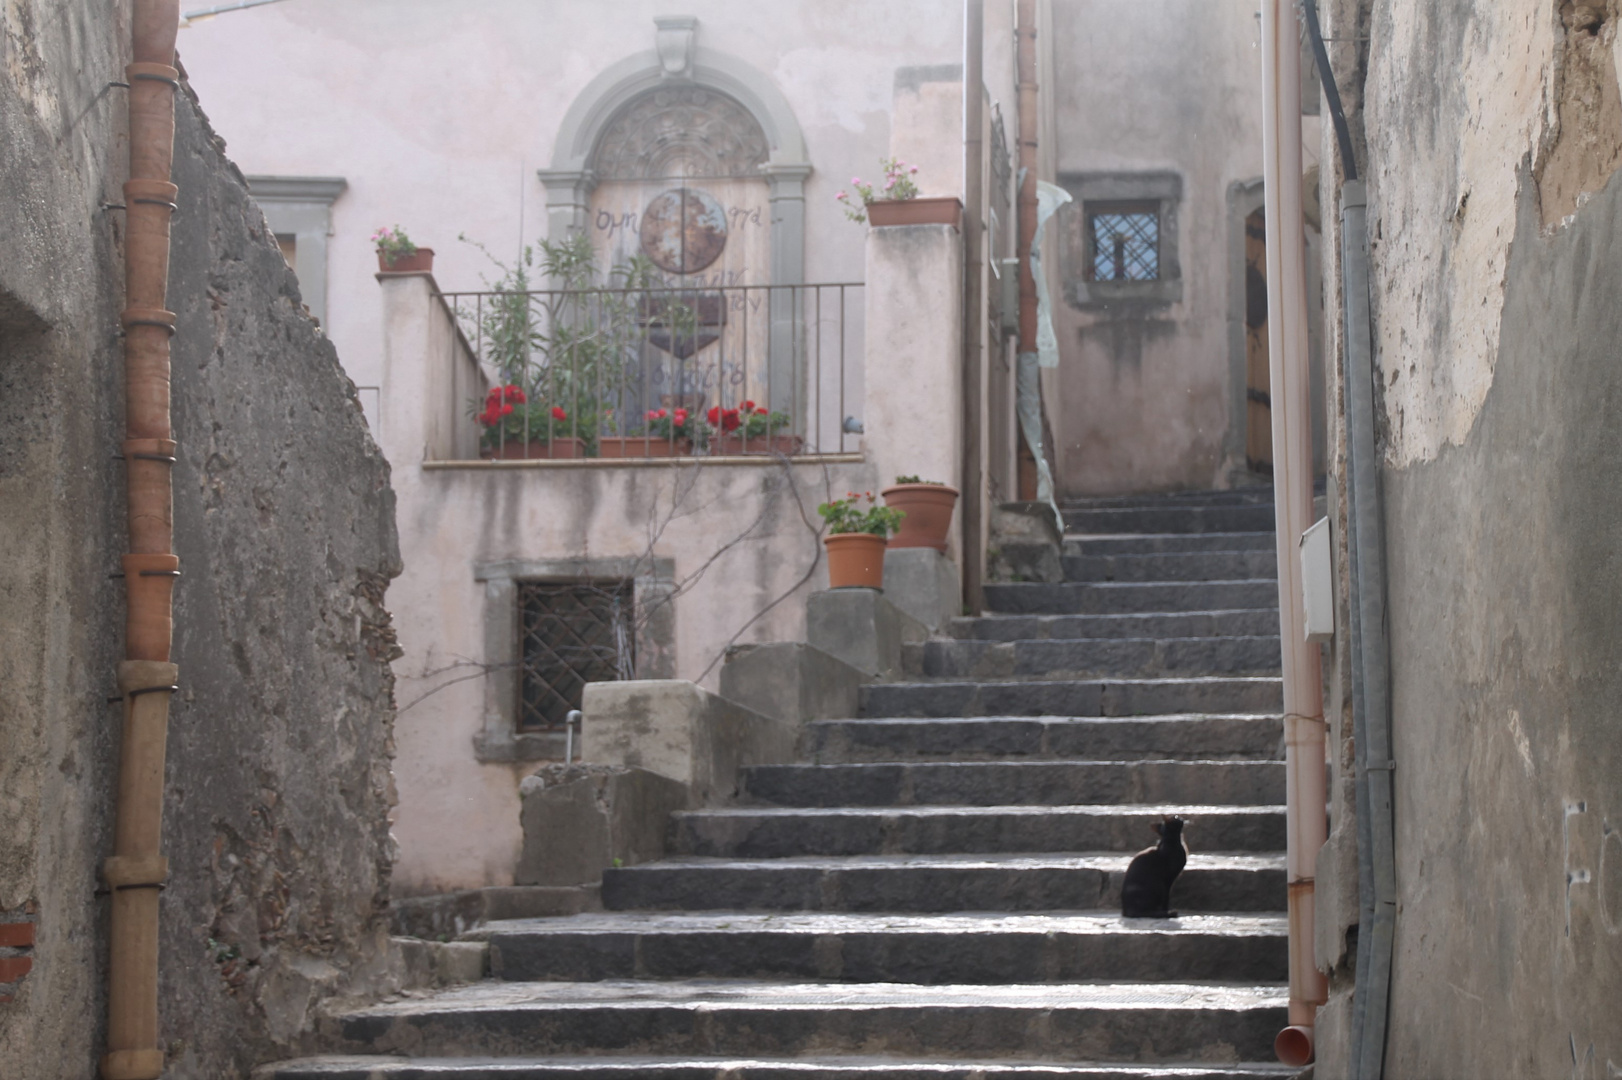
[570, 633]
[1123, 241]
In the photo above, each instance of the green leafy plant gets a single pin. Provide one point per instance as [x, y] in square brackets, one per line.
[898, 186]
[762, 423]
[919, 480]
[393, 244]
[566, 349]
[847, 516]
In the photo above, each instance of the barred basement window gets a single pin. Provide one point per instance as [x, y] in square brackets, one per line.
[1123, 241]
[570, 633]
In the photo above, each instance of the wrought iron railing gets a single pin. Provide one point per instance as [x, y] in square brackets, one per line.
[663, 371]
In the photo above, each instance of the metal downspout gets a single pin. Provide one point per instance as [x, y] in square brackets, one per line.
[1370, 647]
[974, 268]
[1292, 485]
[1372, 705]
[136, 871]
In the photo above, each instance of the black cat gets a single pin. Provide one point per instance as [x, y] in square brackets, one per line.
[1147, 891]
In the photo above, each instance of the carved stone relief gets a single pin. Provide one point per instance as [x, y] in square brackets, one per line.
[681, 132]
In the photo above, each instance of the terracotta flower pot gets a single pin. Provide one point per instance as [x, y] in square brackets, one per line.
[642, 446]
[936, 210]
[929, 514]
[758, 444]
[855, 560]
[419, 262]
[536, 449]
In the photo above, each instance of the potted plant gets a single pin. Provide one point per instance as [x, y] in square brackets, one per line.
[927, 505]
[518, 429]
[669, 433]
[856, 540]
[753, 429]
[897, 202]
[396, 254]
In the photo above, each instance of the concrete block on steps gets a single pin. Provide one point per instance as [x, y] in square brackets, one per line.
[429, 964]
[1025, 543]
[923, 583]
[862, 628]
[681, 732]
[579, 819]
[791, 681]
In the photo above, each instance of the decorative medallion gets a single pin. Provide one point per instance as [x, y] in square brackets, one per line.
[684, 230]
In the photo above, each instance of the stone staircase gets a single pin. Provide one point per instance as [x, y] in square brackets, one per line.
[935, 891]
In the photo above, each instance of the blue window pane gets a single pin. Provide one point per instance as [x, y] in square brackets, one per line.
[1126, 247]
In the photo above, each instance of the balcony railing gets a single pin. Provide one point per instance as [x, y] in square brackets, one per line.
[662, 371]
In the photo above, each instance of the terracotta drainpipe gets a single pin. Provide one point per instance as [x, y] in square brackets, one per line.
[136, 871]
[1029, 121]
[1292, 486]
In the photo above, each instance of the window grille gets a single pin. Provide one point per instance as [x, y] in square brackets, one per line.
[570, 633]
[1125, 241]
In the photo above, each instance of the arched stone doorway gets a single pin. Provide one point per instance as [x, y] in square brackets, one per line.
[695, 160]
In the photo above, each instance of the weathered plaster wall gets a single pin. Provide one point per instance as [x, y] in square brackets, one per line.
[1445, 157]
[277, 785]
[1144, 390]
[458, 819]
[61, 153]
[1507, 641]
[1494, 341]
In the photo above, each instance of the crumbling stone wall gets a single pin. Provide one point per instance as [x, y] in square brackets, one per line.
[278, 786]
[282, 740]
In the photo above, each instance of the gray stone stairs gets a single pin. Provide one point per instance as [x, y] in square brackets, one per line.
[934, 891]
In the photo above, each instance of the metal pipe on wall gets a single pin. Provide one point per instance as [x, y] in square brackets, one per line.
[1292, 486]
[136, 871]
[974, 319]
[1029, 123]
[1372, 705]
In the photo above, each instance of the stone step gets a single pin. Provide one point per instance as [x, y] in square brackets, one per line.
[1173, 518]
[694, 1067]
[1017, 783]
[1243, 622]
[934, 949]
[1202, 736]
[1100, 1021]
[1123, 657]
[1082, 544]
[935, 883]
[1076, 697]
[1129, 598]
[784, 832]
[1251, 495]
[1178, 566]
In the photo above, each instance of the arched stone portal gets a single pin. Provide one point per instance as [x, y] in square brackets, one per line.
[695, 159]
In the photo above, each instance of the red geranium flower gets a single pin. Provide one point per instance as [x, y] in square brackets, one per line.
[558, 413]
[681, 416]
[729, 420]
[749, 406]
[506, 410]
[715, 414]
